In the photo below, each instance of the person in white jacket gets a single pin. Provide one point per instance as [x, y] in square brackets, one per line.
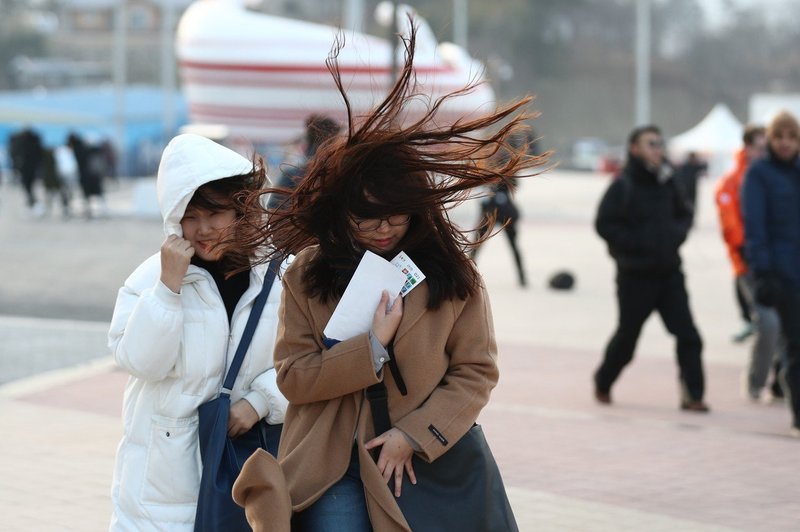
[176, 325]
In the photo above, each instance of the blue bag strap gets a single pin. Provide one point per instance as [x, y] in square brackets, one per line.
[250, 327]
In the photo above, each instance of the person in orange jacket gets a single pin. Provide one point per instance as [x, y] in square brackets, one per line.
[767, 326]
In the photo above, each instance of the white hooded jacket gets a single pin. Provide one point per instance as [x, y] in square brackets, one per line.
[177, 348]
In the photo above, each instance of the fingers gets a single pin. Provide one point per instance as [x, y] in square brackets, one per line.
[394, 458]
[397, 308]
[384, 303]
[398, 470]
[176, 254]
[234, 429]
[374, 442]
[178, 245]
[383, 459]
[409, 467]
[392, 472]
[238, 426]
[381, 309]
[398, 479]
[241, 418]
[244, 413]
[386, 320]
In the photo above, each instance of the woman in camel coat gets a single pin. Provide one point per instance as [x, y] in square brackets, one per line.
[382, 188]
[446, 355]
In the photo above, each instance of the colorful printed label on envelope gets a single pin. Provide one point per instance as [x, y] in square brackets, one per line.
[413, 274]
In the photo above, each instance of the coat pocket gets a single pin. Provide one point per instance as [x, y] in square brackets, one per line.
[172, 467]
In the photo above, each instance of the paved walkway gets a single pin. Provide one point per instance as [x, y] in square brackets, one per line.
[569, 464]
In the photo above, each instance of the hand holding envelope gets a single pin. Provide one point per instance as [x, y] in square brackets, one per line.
[356, 310]
[386, 319]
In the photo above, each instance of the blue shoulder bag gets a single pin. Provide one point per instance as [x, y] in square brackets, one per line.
[222, 457]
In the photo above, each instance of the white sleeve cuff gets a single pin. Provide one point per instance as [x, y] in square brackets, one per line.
[258, 402]
[166, 297]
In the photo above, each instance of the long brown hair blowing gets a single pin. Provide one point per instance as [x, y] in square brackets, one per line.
[383, 166]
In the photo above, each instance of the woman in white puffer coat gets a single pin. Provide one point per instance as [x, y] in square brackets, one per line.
[176, 325]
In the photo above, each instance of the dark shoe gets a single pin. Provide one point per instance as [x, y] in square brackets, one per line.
[694, 406]
[776, 390]
[604, 398]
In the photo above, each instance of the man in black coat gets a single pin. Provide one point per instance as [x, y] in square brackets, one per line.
[644, 218]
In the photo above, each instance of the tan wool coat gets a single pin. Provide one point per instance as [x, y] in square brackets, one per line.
[446, 356]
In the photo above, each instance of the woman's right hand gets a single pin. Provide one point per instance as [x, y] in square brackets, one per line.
[176, 253]
[386, 320]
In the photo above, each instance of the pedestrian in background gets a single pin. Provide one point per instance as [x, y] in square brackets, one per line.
[318, 129]
[91, 167]
[764, 353]
[644, 218]
[67, 168]
[771, 207]
[687, 175]
[54, 186]
[176, 325]
[26, 152]
[498, 208]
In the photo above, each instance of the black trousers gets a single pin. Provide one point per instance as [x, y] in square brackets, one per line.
[744, 306]
[28, 178]
[511, 233]
[789, 313]
[638, 295]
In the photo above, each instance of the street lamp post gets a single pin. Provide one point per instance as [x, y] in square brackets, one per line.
[168, 67]
[642, 62]
[120, 80]
[460, 22]
[393, 44]
[354, 15]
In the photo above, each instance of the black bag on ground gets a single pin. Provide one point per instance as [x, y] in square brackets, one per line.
[461, 490]
[223, 457]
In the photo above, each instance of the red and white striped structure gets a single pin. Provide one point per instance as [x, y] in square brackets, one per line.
[260, 76]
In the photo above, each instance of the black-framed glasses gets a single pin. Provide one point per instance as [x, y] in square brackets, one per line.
[371, 224]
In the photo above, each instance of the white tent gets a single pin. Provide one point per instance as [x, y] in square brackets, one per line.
[764, 106]
[715, 138]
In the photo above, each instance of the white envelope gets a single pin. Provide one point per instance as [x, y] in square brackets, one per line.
[354, 313]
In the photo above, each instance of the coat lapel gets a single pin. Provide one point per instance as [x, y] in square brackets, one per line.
[414, 306]
[321, 313]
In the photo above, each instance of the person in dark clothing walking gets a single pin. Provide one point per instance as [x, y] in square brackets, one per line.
[688, 174]
[644, 218]
[91, 168]
[499, 203]
[770, 200]
[54, 185]
[319, 128]
[26, 155]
